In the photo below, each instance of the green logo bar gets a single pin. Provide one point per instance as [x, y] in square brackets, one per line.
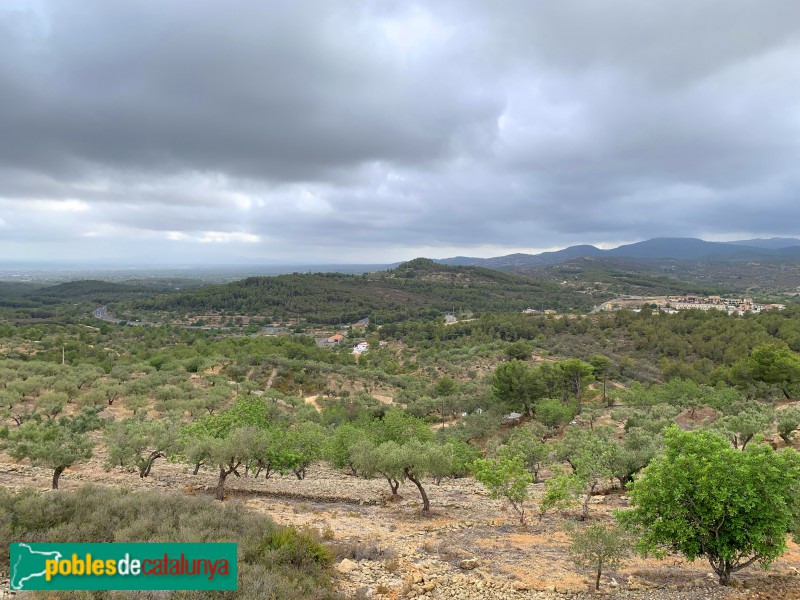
[123, 566]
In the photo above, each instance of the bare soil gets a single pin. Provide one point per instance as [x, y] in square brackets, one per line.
[410, 555]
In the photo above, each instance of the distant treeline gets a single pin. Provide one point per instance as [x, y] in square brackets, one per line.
[692, 344]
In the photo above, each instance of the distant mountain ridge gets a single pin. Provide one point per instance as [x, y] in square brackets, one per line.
[656, 248]
[769, 243]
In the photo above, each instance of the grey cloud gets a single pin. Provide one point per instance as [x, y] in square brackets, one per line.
[270, 93]
[333, 128]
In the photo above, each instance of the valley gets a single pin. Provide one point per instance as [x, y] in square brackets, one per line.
[387, 458]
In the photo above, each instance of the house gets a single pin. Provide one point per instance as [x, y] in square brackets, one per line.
[360, 348]
[450, 319]
[327, 342]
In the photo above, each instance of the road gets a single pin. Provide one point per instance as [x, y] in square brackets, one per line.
[103, 314]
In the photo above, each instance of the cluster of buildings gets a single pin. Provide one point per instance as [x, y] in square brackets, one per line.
[338, 339]
[673, 304]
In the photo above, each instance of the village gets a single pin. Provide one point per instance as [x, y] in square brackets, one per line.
[673, 304]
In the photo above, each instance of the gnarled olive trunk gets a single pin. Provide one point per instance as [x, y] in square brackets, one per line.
[394, 484]
[426, 505]
[223, 475]
[220, 493]
[56, 475]
[145, 470]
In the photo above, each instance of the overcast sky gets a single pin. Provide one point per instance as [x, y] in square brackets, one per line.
[374, 131]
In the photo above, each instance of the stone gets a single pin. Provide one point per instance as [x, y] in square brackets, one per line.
[346, 566]
[521, 586]
[468, 564]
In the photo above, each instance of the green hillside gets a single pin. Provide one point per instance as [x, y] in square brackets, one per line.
[417, 288]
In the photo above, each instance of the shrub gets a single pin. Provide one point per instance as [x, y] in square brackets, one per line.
[555, 413]
[274, 561]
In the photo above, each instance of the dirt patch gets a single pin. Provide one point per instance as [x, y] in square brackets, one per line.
[414, 550]
[312, 400]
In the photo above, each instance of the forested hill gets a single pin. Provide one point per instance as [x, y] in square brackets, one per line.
[31, 295]
[419, 287]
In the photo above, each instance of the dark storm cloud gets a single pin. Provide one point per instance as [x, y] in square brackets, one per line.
[317, 128]
[271, 92]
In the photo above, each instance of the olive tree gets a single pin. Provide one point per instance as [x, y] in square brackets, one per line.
[305, 442]
[527, 443]
[597, 546]
[419, 459]
[138, 442]
[49, 444]
[226, 453]
[788, 422]
[413, 461]
[745, 425]
[50, 404]
[505, 478]
[633, 454]
[562, 491]
[368, 461]
[271, 453]
[591, 455]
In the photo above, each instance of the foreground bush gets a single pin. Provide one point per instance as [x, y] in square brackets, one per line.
[275, 562]
[702, 498]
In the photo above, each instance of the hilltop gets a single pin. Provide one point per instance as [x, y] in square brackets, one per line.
[418, 288]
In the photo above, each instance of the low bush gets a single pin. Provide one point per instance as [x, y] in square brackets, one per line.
[275, 562]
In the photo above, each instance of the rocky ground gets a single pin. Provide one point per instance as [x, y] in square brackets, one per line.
[470, 547]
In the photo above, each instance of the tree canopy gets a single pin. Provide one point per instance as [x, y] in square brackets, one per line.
[703, 498]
